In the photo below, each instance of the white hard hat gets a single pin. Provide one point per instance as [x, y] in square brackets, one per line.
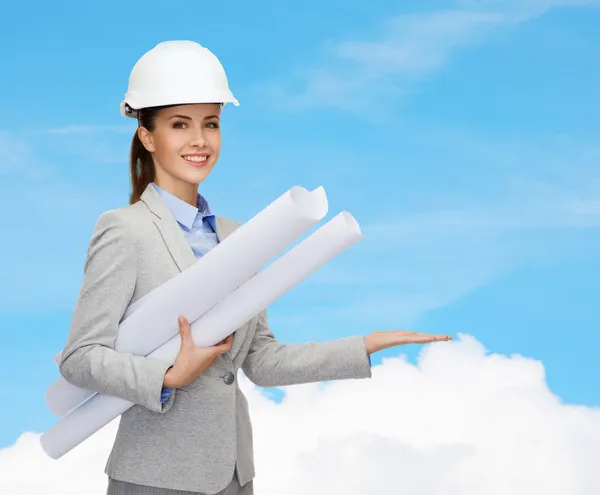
[173, 73]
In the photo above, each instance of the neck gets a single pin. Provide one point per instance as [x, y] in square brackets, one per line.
[183, 190]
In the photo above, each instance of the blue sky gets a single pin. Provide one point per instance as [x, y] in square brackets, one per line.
[462, 135]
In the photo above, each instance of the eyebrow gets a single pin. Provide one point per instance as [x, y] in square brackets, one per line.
[187, 117]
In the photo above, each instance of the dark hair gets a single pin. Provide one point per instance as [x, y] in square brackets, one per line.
[140, 160]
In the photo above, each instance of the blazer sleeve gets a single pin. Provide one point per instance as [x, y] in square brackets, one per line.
[272, 364]
[89, 359]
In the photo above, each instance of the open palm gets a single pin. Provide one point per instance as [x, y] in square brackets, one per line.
[380, 340]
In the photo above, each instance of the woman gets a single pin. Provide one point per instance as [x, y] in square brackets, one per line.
[189, 430]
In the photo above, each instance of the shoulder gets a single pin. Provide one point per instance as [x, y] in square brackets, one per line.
[117, 225]
[123, 217]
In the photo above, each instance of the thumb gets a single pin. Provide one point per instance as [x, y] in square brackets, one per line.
[184, 330]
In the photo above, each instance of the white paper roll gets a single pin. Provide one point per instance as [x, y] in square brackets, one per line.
[152, 320]
[243, 304]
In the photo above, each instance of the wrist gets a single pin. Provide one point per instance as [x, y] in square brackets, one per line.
[170, 380]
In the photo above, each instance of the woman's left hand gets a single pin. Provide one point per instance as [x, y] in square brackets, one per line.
[378, 341]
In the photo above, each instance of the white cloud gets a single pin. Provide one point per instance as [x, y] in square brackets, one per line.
[418, 43]
[361, 74]
[367, 75]
[460, 422]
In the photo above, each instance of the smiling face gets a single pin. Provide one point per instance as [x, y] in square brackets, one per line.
[185, 145]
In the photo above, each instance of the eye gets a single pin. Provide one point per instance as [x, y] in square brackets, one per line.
[179, 123]
[213, 125]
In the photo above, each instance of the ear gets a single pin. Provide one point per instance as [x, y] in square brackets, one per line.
[146, 139]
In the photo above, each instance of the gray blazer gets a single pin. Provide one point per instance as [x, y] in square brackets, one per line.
[195, 440]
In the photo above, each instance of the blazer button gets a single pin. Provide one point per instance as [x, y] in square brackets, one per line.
[229, 378]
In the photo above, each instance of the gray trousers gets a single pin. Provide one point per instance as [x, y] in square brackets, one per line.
[116, 487]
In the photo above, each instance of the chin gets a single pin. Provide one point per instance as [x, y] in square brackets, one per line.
[191, 176]
[198, 177]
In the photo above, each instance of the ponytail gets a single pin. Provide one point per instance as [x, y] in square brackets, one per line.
[141, 167]
[141, 164]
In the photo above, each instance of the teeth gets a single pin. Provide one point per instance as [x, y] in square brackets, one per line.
[196, 159]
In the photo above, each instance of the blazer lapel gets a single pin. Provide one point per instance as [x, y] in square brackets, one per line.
[168, 227]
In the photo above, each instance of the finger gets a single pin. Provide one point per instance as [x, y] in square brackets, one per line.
[225, 346]
[221, 349]
[184, 330]
[424, 339]
[225, 340]
[434, 336]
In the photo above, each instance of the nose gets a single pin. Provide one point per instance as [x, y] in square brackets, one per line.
[198, 139]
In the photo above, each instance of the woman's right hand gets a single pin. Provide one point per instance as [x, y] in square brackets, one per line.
[193, 360]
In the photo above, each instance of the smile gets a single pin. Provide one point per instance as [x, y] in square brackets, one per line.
[195, 159]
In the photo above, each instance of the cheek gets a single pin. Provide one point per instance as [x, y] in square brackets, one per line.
[215, 143]
[169, 146]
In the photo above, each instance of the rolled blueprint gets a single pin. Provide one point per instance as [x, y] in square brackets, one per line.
[152, 320]
[244, 303]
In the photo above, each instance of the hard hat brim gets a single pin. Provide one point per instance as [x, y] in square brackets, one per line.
[129, 111]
